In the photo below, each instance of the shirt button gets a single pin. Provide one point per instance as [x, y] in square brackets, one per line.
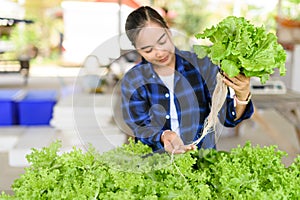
[153, 76]
[167, 116]
[233, 113]
[167, 95]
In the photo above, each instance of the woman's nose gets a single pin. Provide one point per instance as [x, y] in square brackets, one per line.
[158, 52]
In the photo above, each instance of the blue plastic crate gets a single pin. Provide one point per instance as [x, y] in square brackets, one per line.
[8, 107]
[36, 108]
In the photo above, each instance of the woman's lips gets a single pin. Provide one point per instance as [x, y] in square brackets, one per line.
[164, 59]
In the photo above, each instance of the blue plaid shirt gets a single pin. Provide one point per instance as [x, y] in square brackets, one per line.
[146, 101]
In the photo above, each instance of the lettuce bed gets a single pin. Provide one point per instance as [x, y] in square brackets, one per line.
[132, 172]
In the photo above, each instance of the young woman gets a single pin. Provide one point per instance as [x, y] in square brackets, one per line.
[167, 96]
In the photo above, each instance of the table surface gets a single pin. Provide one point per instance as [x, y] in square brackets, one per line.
[273, 100]
[288, 105]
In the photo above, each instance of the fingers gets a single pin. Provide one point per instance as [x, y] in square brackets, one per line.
[179, 149]
[240, 84]
[174, 145]
[240, 79]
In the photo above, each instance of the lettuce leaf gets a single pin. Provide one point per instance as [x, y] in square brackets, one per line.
[240, 47]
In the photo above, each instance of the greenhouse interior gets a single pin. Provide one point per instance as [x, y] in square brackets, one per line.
[149, 99]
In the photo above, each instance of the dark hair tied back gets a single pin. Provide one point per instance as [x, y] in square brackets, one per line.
[139, 18]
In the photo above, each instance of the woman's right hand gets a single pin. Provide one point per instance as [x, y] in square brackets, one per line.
[173, 143]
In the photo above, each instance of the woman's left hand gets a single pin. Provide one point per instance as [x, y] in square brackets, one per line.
[240, 84]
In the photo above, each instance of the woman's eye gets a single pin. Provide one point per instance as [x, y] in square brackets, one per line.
[162, 42]
[148, 50]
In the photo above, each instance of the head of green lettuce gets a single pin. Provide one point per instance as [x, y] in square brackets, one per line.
[240, 47]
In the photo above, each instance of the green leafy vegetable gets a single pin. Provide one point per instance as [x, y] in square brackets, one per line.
[248, 172]
[240, 47]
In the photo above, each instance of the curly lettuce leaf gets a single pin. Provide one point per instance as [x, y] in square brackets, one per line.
[240, 47]
[244, 172]
[230, 67]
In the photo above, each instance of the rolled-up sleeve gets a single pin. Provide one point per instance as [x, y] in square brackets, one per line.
[230, 120]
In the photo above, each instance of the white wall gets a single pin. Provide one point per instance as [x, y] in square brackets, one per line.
[87, 25]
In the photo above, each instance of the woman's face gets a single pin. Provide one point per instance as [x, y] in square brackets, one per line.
[154, 44]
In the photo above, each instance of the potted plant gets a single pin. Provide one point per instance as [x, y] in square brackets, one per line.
[288, 21]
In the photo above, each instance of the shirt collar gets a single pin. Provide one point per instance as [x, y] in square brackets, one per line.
[182, 65]
[183, 61]
[179, 62]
